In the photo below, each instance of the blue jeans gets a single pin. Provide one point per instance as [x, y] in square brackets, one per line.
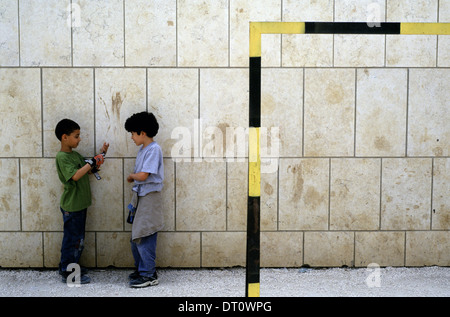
[73, 239]
[144, 254]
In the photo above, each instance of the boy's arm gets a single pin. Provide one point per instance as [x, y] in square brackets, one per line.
[81, 172]
[140, 177]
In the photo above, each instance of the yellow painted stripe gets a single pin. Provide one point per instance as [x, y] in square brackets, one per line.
[254, 163]
[425, 28]
[255, 39]
[258, 28]
[282, 27]
[253, 289]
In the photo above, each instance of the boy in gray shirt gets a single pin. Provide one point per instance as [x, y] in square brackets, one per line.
[146, 207]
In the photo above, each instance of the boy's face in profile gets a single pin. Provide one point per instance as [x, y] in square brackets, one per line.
[73, 139]
[138, 138]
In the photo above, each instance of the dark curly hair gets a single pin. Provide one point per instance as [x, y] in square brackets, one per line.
[142, 121]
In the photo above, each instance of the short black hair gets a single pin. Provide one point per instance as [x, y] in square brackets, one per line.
[65, 126]
[142, 121]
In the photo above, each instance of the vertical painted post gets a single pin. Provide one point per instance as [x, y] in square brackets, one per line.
[254, 168]
[254, 164]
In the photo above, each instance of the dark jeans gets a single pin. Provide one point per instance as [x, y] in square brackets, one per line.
[144, 253]
[73, 239]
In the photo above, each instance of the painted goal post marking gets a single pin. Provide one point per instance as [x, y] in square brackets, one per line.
[254, 162]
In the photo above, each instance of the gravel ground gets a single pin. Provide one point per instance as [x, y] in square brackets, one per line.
[333, 282]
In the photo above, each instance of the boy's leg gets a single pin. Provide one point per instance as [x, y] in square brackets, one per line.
[73, 239]
[144, 253]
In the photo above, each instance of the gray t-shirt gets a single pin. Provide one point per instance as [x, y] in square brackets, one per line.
[149, 160]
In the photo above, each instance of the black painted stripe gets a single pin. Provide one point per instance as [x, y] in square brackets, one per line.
[352, 28]
[253, 241]
[255, 92]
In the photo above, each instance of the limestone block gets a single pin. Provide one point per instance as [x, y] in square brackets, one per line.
[443, 51]
[119, 94]
[309, 10]
[9, 195]
[296, 49]
[20, 112]
[200, 196]
[29, 254]
[426, 248]
[45, 33]
[411, 50]
[202, 33]
[41, 192]
[329, 112]
[406, 194]
[68, 93]
[241, 13]
[106, 213]
[428, 129]
[150, 30]
[358, 50]
[303, 194]
[444, 11]
[237, 196]
[412, 11]
[52, 249]
[281, 249]
[168, 193]
[178, 249]
[222, 249]
[9, 34]
[307, 50]
[282, 109]
[383, 248]
[328, 248]
[355, 194]
[360, 10]
[223, 110]
[444, 40]
[440, 217]
[98, 34]
[381, 112]
[269, 200]
[113, 248]
[173, 99]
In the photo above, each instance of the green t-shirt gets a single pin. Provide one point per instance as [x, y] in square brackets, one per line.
[76, 195]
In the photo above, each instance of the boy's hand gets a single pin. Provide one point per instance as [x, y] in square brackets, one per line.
[104, 148]
[130, 179]
[99, 159]
[96, 160]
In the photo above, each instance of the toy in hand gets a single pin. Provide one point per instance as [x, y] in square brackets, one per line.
[95, 163]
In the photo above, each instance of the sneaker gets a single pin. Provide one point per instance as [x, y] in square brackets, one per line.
[144, 281]
[133, 275]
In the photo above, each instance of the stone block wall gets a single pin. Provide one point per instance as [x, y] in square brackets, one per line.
[359, 126]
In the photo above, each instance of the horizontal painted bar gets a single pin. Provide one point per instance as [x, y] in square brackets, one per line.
[425, 28]
[258, 28]
[352, 28]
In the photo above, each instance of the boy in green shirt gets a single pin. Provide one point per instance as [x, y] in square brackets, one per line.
[72, 172]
